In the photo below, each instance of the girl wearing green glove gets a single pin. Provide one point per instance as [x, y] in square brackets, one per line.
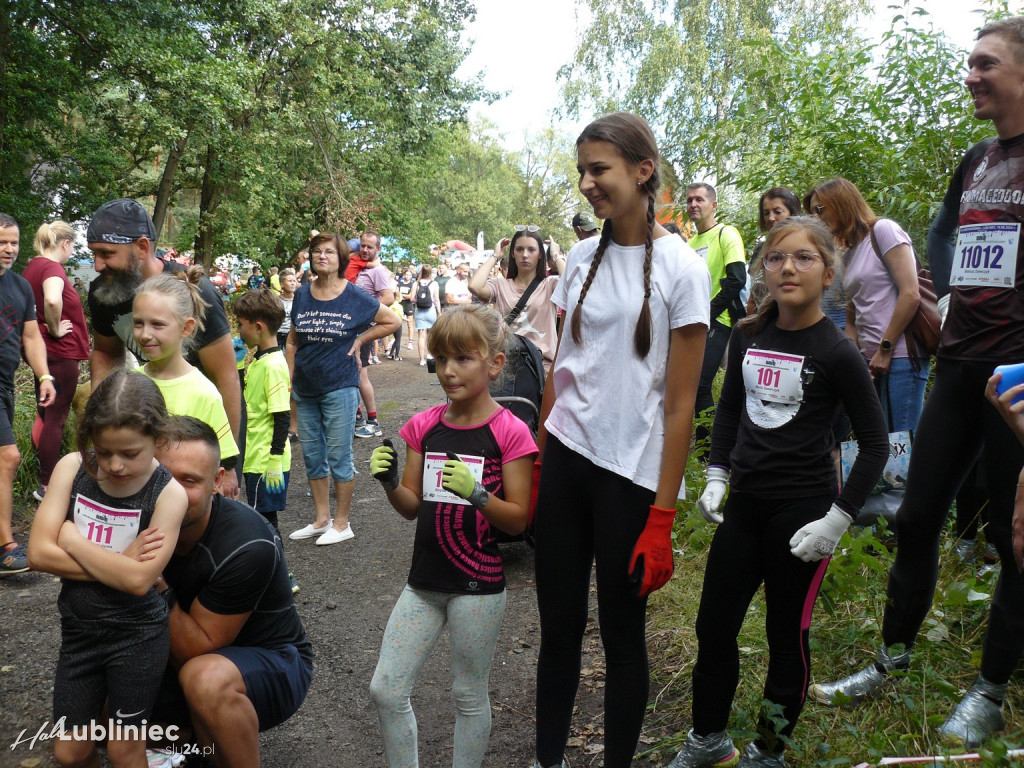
[789, 369]
[617, 416]
[467, 471]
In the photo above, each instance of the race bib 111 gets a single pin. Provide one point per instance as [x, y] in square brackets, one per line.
[110, 528]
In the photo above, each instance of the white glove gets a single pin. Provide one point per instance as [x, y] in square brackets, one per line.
[943, 305]
[714, 492]
[818, 540]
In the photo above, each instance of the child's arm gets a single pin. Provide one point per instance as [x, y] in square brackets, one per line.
[44, 553]
[404, 496]
[512, 514]
[123, 572]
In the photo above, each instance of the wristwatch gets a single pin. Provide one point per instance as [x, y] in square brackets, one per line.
[885, 345]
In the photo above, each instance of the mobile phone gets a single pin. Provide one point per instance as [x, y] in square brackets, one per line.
[1012, 376]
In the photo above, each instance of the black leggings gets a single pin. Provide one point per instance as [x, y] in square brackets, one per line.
[957, 425]
[751, 547]
[714, 351]
[587, 514]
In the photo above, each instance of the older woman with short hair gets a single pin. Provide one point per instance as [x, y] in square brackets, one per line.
[331, 319]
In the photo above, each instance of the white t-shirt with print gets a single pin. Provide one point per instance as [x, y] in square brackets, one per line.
[610, 403]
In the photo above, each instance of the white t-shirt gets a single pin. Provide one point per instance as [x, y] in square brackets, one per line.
[610, 403]
[458, 289]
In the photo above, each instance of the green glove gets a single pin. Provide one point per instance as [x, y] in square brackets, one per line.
[457, 478]
[273, 478]
[384, 465]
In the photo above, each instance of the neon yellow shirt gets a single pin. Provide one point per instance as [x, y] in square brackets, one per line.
[719, 246]
[195, 395]
[275, 286]
[267, 391]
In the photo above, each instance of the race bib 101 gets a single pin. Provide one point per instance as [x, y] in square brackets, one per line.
[433, 465]
[986, 256]
[110, 528]
[773, 376]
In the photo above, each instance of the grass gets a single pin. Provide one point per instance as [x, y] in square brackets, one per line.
[845, 633]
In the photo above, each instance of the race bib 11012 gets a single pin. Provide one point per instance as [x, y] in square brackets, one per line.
[986, 256]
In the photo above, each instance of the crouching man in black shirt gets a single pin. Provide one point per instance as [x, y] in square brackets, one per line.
[240, 659]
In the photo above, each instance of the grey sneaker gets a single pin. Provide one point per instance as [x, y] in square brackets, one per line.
[562, 764]
[755, 757]
[39, 493]
[12, 559]
[852, 690]
[977, 716]
[369, 430]
[360, 420]
[714, 750]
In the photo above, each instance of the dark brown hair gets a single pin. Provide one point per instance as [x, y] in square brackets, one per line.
[123, 400]
[632, 137]
[852, 217]
[261, 306]
[339, 245]
[513, 266]
[189, 429]
[788, 198]
[817, 232]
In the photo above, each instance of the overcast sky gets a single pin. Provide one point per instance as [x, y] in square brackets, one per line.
[520, 46]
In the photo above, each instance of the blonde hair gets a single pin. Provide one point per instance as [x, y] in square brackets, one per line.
[49, 236]
[182, 288]
[468, 328]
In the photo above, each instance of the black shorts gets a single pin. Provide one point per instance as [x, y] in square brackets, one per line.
[7, 417]
[121, 666]
[276, 682]
[364, 353]
[407, 308]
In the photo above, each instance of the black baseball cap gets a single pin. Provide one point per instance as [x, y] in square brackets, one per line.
[585, 221]
[120, 222]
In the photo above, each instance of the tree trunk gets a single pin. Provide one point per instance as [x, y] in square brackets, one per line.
[163, 192]
[209, 199]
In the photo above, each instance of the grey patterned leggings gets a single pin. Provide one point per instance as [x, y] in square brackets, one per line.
[413, 630]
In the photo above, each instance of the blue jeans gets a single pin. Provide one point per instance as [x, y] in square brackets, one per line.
[326, 424]
[902, 393]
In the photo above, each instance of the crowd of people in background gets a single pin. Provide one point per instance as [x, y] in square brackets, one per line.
[177, 601]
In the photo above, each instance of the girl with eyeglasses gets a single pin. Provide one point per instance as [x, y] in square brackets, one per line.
[789, 369]
[536, 322]
[617, 418]
[879, 273]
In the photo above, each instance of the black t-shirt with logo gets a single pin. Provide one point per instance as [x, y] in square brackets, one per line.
[986, 323]
[239, 566]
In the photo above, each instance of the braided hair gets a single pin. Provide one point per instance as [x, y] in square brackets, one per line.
[632, 137]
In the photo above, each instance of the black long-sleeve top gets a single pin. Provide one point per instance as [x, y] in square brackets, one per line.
[785, 449]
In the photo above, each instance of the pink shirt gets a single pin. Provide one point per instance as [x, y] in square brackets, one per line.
[870, 286]
[537, 321]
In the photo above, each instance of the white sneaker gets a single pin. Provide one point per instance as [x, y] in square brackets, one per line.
[334, 536]
[308, 532]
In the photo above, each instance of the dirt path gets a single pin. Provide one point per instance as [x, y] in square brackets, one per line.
[348, 591]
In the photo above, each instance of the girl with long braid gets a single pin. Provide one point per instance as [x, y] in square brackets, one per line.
[616, 423]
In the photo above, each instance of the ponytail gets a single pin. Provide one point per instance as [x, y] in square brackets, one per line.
[49, 236]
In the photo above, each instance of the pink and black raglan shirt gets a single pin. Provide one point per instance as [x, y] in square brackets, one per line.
[455, 549]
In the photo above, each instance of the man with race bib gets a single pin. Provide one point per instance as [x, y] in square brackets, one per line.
[984, 328]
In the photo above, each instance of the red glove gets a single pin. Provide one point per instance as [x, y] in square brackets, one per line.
[533, 490]
[651, 566]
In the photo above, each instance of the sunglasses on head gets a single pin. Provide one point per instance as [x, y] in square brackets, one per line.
[527, 228]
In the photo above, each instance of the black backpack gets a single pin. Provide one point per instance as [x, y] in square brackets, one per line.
[423, 298]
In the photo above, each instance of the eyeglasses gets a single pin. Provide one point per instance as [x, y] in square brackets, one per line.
[802, 260]
[325, 252]
[527, 228]
[818, 210]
